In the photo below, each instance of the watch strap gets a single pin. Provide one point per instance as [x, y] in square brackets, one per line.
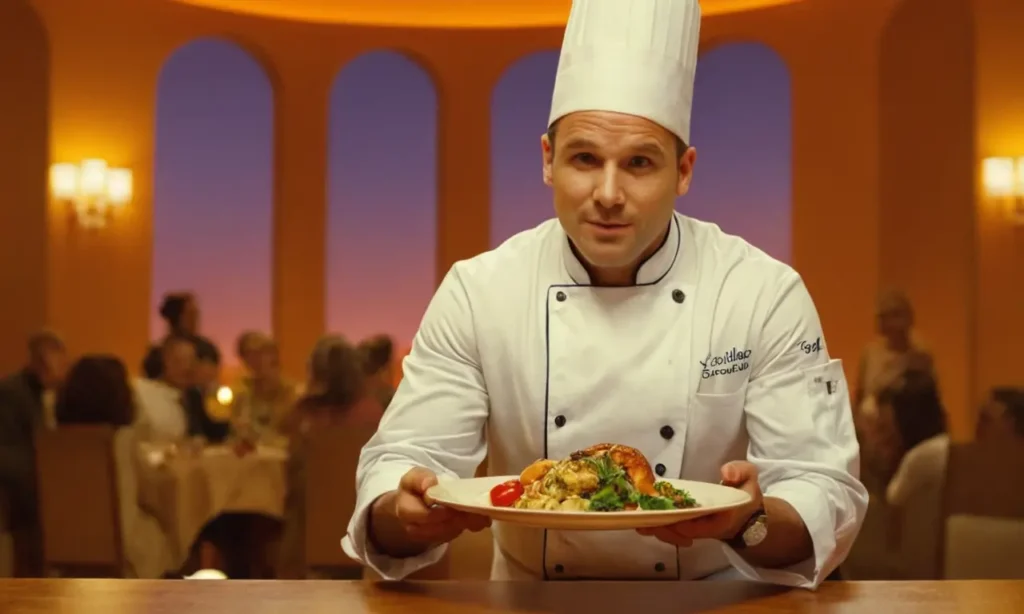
[737, 542]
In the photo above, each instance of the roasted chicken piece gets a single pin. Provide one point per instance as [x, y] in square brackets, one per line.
[536, 471]
[576, 483]
[630, 459]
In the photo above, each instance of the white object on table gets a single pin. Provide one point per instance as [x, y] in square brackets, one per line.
[207, 574]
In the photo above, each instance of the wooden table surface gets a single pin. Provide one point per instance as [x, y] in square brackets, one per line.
[356, 597]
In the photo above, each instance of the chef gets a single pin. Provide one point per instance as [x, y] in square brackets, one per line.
[621, 321]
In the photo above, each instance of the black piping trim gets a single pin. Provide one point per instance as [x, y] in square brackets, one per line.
[547, 365]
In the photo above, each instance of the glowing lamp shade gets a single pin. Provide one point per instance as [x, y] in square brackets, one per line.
[119, 186]
[64, 181]
[92, 189]
[93, 178]
[1000, 177]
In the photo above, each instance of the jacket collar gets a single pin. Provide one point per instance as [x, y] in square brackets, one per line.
[651, 271]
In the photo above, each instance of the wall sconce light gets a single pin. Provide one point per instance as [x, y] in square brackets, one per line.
[92, 189]
[1003, 179]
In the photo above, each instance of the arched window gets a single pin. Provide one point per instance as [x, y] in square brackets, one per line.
[742, 131]
[520, 107]
[382, 196]
[213, 200]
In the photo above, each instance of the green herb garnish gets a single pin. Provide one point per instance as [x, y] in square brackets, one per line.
[649, 502]
[607, 499]
[607, 470]
[615, 490]
[679, 498]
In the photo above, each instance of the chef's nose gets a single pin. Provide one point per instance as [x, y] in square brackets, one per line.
[608, 192]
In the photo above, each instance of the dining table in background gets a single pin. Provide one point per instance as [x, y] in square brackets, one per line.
[188, 488]
[363, 597]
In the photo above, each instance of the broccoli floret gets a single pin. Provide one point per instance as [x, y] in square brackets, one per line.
[607, 499]
[648, 502]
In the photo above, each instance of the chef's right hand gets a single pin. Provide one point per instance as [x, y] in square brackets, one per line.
[423, 523]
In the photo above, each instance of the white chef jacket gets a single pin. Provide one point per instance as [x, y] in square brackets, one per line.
[716, 354]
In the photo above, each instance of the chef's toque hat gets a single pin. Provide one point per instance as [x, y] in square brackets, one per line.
[637, 57]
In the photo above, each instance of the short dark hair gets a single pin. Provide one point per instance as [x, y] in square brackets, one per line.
[173, 307]
[206, 351]
[681, 145]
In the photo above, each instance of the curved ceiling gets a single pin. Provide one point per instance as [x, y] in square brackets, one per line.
[437, 13]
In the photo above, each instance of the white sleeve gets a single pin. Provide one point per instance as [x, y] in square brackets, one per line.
[802, 439]
[436, 420]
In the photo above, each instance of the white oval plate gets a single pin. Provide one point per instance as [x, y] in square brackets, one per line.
[474, 496]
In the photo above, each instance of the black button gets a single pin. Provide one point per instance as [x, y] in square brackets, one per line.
[678, 296]
[560, 296]
[559, 421]
[659, 469]
[659, 567]
[559, 568]
[667, 432]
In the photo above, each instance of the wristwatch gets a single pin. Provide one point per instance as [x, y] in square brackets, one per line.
[754, 530]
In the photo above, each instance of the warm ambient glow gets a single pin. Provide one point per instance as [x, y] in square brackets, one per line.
[92, 188]
[440, 13]
[999, 176]
[225, 396]
[1003, 179]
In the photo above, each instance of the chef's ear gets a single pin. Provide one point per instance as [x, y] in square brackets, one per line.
[547, 157]
[686, 162]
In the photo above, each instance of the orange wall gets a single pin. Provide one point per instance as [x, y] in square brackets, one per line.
[926, 167]
[870, 156]
[999, 100]
[24, 101]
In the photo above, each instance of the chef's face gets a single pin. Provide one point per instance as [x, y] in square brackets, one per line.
[615, 179]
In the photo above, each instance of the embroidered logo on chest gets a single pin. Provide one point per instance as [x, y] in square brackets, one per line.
[732, 361]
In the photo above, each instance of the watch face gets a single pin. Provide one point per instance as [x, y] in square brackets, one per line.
[756, 533]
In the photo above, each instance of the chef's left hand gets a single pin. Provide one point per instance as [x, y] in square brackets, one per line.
[723, 525]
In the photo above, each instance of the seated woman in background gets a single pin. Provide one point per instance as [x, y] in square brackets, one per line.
[265, 398]
[337, 394]
[97, 391]
[924, 466]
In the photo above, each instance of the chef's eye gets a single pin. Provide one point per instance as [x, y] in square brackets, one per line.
[584, 158]
[640, 162]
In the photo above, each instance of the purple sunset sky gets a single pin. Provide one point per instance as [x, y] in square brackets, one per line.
[214, 165]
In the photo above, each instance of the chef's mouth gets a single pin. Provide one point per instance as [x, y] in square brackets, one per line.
[609, 225]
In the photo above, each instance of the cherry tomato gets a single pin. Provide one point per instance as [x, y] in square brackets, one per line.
[506, 493]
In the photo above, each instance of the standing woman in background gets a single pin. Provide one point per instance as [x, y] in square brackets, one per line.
[181, 313]
[884, 368]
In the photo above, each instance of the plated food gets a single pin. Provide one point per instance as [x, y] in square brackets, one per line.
[612, 479]
[603, 478]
